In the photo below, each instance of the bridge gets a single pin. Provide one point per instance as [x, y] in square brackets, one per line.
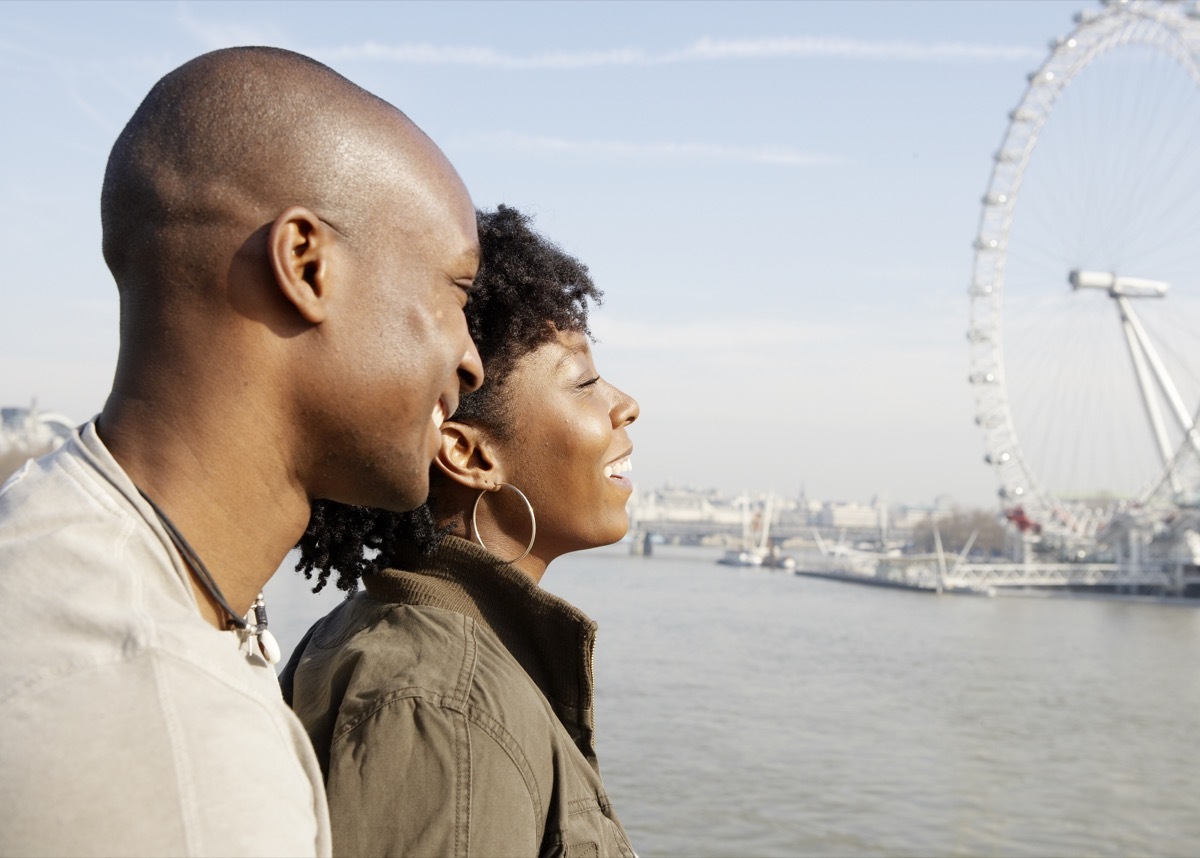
[785, 528]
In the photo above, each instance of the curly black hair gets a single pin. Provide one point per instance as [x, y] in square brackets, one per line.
[527, 290]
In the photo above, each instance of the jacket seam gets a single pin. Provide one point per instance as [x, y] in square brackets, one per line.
[589, 804]
[179, 763]
[474, 716]
[462, 731]
[512, 749]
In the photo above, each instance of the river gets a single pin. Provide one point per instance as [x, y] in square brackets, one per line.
[756, 713]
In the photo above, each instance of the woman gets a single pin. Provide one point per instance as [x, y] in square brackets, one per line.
[450, 703]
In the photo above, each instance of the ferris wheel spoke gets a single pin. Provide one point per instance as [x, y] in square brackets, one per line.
[1169, 197]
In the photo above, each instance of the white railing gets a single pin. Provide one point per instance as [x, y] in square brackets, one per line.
[984, 575]
[924, 572]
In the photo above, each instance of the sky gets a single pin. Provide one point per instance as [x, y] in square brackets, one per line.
[778, 199]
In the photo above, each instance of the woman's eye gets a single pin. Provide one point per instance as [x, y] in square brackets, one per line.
[589, 382]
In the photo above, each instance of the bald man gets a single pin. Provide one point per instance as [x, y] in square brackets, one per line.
[292, 256]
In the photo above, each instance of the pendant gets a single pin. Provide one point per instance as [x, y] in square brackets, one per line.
[256, 626]
[269, 647]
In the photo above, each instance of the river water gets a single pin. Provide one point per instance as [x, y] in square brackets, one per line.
[756, 713]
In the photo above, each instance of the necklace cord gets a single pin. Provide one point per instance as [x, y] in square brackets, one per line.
[196, 565]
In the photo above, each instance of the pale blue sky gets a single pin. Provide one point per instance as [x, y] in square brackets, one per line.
[778, 199]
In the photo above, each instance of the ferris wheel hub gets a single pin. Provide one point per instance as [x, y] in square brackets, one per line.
[1123, 287]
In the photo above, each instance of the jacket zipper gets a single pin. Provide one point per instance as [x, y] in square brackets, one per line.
[591, 677]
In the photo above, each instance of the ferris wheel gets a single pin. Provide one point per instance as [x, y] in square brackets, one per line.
[1085, 296]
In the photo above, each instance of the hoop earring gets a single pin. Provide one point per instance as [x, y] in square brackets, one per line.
[532, 520]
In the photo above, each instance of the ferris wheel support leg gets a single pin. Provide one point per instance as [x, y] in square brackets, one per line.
[1160, 372]
[1149, 401]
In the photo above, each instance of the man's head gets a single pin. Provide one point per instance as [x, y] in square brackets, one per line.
[528, 293]
[293, 249]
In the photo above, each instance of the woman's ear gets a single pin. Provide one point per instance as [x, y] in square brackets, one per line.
[467, 457]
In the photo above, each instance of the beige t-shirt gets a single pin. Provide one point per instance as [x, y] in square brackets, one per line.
[128, 724]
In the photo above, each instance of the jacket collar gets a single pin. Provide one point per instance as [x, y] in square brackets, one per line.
[550, 638]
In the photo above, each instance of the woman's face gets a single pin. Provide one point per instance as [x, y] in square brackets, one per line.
[567, 448]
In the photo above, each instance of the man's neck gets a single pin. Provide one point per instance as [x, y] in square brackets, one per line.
[224, 483]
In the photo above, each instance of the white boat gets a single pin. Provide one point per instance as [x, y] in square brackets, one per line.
[740, 557]
[756, 548]
[775, 560]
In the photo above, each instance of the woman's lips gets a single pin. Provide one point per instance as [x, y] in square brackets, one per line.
[616, 470]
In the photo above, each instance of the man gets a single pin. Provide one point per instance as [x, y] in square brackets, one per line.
[292, 256]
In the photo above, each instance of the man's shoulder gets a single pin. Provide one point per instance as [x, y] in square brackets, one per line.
[83, 580]
[143, 650]
[91, 596]
[155, 752]
[149, 698]
[58, 507]
[58, 474]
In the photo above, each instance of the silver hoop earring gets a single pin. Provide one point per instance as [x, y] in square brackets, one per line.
[532, 520]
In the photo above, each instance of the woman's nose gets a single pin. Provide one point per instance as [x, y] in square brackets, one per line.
[626, 409]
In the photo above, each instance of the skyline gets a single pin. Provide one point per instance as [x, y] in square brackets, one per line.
[778, 200]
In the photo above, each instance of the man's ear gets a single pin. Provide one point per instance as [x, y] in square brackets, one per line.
[298, 248]
[466, 456]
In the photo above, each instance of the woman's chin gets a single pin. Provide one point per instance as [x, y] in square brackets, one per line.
[608, 532]
[618, 531]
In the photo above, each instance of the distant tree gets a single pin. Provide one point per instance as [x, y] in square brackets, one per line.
[957, 527]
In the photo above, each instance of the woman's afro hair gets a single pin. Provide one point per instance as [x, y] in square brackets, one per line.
[526, 291]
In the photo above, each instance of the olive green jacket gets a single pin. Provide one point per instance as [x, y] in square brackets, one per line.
[451, 711]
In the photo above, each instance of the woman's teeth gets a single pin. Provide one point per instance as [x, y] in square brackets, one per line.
[439, 415]
[620, 467]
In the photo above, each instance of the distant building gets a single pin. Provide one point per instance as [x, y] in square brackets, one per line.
[692, 513]
[908, 517]
[685, 505]
[850, 515]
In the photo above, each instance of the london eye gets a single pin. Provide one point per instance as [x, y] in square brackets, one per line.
[1085, 295]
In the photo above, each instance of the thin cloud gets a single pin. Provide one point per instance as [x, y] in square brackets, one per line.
[212, 35]
[713, 336]
[83, 83]
[855, 49]
[771, 155]
[103, 121]
[12, 50]
[702, 50]
[465, 55]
